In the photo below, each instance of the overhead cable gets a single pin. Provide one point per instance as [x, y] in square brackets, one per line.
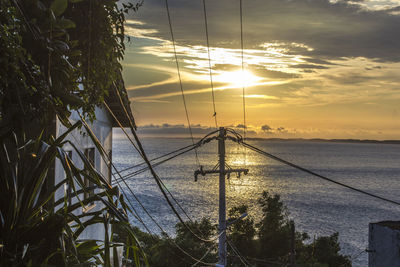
[269, 155]
[154, 174]
[145, 210]
[180, 79]
[132, 174]
[209, 64]
[107, 158]
[236, 251]
[243, 84]
[156, 158]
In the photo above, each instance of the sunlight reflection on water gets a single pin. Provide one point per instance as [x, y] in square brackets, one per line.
[318, 207]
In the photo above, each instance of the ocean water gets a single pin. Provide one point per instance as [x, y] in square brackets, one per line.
[317, 207]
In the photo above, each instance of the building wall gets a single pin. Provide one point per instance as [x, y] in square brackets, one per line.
[384, 246]
[102, 128]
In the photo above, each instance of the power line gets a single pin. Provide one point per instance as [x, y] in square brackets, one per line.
[202, 141]
[154, 174]
[132, 174]
[146, 211]
[104, 154]
[243, 81]
[189, 148]
[165, 187]
[209, 63]
[269, 155]
[243, 85]
[180, 79]
[236, 251]
[354, 257]
[154, 159]
[205, 254]
[131, 123]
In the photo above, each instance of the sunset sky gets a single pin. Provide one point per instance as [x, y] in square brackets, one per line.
[313, 68]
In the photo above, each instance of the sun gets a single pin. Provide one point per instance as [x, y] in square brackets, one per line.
[238, 78]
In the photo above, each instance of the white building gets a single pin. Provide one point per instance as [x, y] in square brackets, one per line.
[102, 128]
[384, 244]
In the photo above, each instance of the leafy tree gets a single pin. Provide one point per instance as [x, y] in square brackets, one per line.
[324, 251]
[266, 243]
[274, 228]
[163, 251]
[57, 56]
[241, 233]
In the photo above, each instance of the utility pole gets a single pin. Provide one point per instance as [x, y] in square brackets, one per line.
[222, 200]
[222, 252]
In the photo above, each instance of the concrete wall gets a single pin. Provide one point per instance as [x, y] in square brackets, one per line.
[103, 130]
[384, 244]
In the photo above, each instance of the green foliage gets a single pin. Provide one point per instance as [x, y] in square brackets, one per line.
[56, 56]
[324, 251]
[266, 243]
[59, 6]
[34, 230]
[274, 227]
[51, 50]
[162, 251]
[242, 234]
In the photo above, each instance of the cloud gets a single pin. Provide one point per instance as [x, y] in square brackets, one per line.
[261, 71]
[309, 66]
[306, 42]
[180, 130]
[320, 29]
[268, 97]
[278, 131]
[266, 128]
[309, 58]
[167, 129]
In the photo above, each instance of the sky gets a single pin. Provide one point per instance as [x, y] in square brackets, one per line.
[312, 68]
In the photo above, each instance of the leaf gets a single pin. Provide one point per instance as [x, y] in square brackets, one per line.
[59, 6]
[65, 23]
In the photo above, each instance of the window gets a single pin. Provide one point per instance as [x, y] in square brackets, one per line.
[90, 186]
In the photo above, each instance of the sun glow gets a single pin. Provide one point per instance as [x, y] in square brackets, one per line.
[238, 78]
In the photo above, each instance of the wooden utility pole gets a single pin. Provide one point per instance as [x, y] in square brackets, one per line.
[222, 252]
[222, 201]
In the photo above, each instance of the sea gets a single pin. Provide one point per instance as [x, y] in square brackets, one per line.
[318, 207]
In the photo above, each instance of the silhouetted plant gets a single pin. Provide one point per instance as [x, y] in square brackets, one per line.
[35, 230]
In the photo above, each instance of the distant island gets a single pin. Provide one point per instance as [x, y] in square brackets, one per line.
[367, 141]
[362, 141]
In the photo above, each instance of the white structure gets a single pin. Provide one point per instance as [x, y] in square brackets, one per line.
[384, 244]
[102, 129]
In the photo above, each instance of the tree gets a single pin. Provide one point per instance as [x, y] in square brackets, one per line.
[264, 243]
[165, 251]
[241, 234]
[57, 56]
[274, 228]
[274, 238]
